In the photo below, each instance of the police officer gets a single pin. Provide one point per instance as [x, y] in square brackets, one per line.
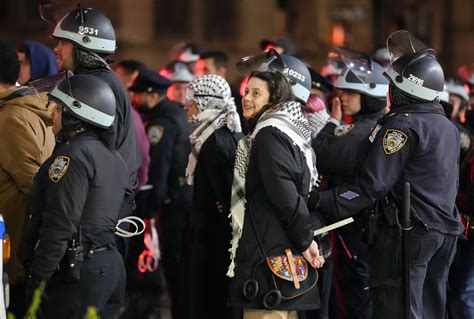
[167, 128]
[363, 90]
[75, 205]
[414, 143]
[85, 38]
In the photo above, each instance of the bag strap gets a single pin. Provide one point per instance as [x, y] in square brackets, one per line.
[291, 261]
[289, 254]
[259, 242]
[263, 255]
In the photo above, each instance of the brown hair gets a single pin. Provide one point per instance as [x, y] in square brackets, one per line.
[278, 86]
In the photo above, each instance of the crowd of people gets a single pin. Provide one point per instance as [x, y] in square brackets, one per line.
[232, 181]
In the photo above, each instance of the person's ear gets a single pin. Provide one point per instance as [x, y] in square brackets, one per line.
[134, 75]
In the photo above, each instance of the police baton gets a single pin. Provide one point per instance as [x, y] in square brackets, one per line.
[406, 226]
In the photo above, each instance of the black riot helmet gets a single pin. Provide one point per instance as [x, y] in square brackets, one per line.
[86, 99]
[359, 73]
[414, 70]
[294, 70]
[87, 28]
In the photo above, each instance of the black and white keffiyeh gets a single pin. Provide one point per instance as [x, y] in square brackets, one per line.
[317, 121]
[216, 106]
[289, 119]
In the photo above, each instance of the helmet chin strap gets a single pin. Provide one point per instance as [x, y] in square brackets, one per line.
[84, 61]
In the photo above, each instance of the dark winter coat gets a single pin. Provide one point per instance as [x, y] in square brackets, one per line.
[209, 231]
[277, 184]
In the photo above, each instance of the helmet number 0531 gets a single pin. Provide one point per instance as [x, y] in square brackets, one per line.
[87, 30]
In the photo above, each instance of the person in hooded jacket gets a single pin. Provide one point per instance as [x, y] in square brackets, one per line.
[36, 61]
[337, 147]
[212, 111]
[273, 173]
[76, 200]
[27, 141]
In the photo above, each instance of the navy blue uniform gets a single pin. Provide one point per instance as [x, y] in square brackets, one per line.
[81, 185]
[168, 133]
[338, 150]
[416, 144]
[125, 143]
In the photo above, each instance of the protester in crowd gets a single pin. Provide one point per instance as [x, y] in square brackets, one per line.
[36, 61]
[212, 112]
[26, 142]
[273, 173]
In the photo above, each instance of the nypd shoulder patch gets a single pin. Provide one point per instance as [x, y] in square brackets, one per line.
[58, 168]
[155, 133]
[393, 141]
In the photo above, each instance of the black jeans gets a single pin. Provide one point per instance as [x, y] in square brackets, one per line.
[431, 254]
[102, 286]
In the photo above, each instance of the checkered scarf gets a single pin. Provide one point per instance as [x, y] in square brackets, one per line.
[317, 121]
[315, 112]
[289, 119]
[216, 107]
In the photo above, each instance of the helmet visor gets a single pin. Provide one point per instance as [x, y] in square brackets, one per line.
[48, 83]
[266, 61]
[358, 63]
[401, 43]
[53, 13]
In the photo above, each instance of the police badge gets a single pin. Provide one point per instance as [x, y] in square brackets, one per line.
[59, 167]
[393, 141]
[155, 133]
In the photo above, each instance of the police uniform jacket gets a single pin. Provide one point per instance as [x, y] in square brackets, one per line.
[168, 133]
[416, 144]
[81, 184]
[125, 139]
[337, 148]
[26, 142]
[277, 183]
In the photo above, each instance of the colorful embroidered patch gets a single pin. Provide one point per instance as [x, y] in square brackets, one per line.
[349, 195]
[58, 169]
[393, 141]
[280, 267]
[343, 130]
[155, 133]
[374, 133]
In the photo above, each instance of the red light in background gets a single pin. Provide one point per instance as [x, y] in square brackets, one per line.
[269, 46]
[338, 35]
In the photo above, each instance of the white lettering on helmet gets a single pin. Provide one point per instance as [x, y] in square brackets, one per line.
[294, 74]
[87, 30]
[416, 80]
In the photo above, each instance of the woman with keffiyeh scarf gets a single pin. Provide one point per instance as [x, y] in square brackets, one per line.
[212, 111]
[275, 169]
